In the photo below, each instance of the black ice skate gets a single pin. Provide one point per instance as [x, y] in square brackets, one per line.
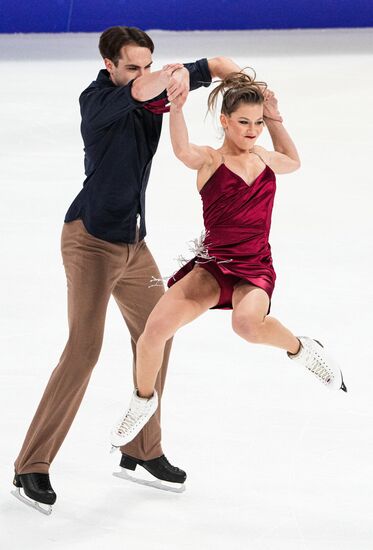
[168, 477]
[37, 489]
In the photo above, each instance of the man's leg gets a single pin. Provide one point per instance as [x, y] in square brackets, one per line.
[136, 301]
[92, 268]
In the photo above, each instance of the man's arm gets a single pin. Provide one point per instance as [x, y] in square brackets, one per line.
[179, 79]
[151, 85]
[199, 73]
[175, 80]
[219, 67]
[100, 108]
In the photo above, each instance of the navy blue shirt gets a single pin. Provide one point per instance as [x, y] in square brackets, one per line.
[120, 139]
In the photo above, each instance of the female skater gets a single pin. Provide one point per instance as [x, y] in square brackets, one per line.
[233, 269]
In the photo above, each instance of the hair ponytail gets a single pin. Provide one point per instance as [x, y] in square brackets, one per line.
[236, 88]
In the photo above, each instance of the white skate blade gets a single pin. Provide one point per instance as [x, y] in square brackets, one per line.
[32, 503]
[156, 483]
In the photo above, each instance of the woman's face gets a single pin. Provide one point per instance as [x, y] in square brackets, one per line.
[244, 125]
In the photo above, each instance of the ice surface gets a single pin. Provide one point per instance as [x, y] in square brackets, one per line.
[274, 461]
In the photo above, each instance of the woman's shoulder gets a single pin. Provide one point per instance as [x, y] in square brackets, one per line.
[278, 162]
[215, 154]
[208, 169]
[261, 152]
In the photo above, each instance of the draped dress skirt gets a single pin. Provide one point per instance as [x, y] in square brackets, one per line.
[237, 218]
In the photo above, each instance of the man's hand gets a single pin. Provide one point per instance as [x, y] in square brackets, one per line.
[270, 106]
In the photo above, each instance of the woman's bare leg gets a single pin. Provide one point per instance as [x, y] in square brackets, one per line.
[251, 322]
[181, 304]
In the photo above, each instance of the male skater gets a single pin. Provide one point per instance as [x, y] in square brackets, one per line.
[103, 247]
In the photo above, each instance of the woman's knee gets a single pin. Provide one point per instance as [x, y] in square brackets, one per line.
[248, 327]
[157, 331]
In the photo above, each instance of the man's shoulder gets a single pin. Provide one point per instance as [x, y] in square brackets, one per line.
[102, 82]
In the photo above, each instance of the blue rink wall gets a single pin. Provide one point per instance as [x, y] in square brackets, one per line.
[95, 15]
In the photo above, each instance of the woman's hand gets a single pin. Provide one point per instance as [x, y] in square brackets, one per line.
[270, 106]
[178, 103]
[178, 87]
[167, 72]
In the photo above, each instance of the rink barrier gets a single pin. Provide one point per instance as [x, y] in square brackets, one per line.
[55, 16]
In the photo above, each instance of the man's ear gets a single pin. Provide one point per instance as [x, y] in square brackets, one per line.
[108, 64]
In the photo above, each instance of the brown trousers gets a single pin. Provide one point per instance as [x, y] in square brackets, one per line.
[95, 270]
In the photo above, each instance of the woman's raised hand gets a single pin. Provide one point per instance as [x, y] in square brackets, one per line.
[270, 106]
[178, 86]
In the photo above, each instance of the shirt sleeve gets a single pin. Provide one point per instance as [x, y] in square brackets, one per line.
[101, 107]
[199, 73]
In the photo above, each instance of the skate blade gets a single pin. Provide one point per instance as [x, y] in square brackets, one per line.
[33, 503]
[156, 483]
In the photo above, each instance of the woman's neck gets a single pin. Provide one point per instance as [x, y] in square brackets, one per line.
[230, 148]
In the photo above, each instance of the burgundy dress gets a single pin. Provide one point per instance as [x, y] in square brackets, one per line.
[237, 219]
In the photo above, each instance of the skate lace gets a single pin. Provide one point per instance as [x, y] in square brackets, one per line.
[317, 365]
[167, 463]
[131, 418]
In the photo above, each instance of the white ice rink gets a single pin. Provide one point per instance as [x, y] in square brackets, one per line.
[274, 461]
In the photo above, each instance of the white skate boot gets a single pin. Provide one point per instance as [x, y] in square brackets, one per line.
[312, 356]
[140, 410]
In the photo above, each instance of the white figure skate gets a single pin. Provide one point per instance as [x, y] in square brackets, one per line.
[312, 356]
[140, 410]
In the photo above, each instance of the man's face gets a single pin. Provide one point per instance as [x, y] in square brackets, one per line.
[134, 61]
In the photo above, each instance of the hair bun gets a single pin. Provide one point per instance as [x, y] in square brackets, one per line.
[237, 87]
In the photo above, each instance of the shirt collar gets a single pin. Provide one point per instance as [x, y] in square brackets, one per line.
[103, 78]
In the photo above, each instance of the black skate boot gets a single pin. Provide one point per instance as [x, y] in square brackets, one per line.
[168, 477]
[37, 488]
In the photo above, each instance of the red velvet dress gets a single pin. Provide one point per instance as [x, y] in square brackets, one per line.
[237, 219]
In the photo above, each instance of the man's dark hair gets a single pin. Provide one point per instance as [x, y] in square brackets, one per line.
[114, 38]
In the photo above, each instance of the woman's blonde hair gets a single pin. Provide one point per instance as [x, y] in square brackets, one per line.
[237, 88]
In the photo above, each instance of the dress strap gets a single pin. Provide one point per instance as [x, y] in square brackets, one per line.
[257, 154]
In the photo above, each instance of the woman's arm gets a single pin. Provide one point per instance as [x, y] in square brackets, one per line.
[193, 156]
[284, 159]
